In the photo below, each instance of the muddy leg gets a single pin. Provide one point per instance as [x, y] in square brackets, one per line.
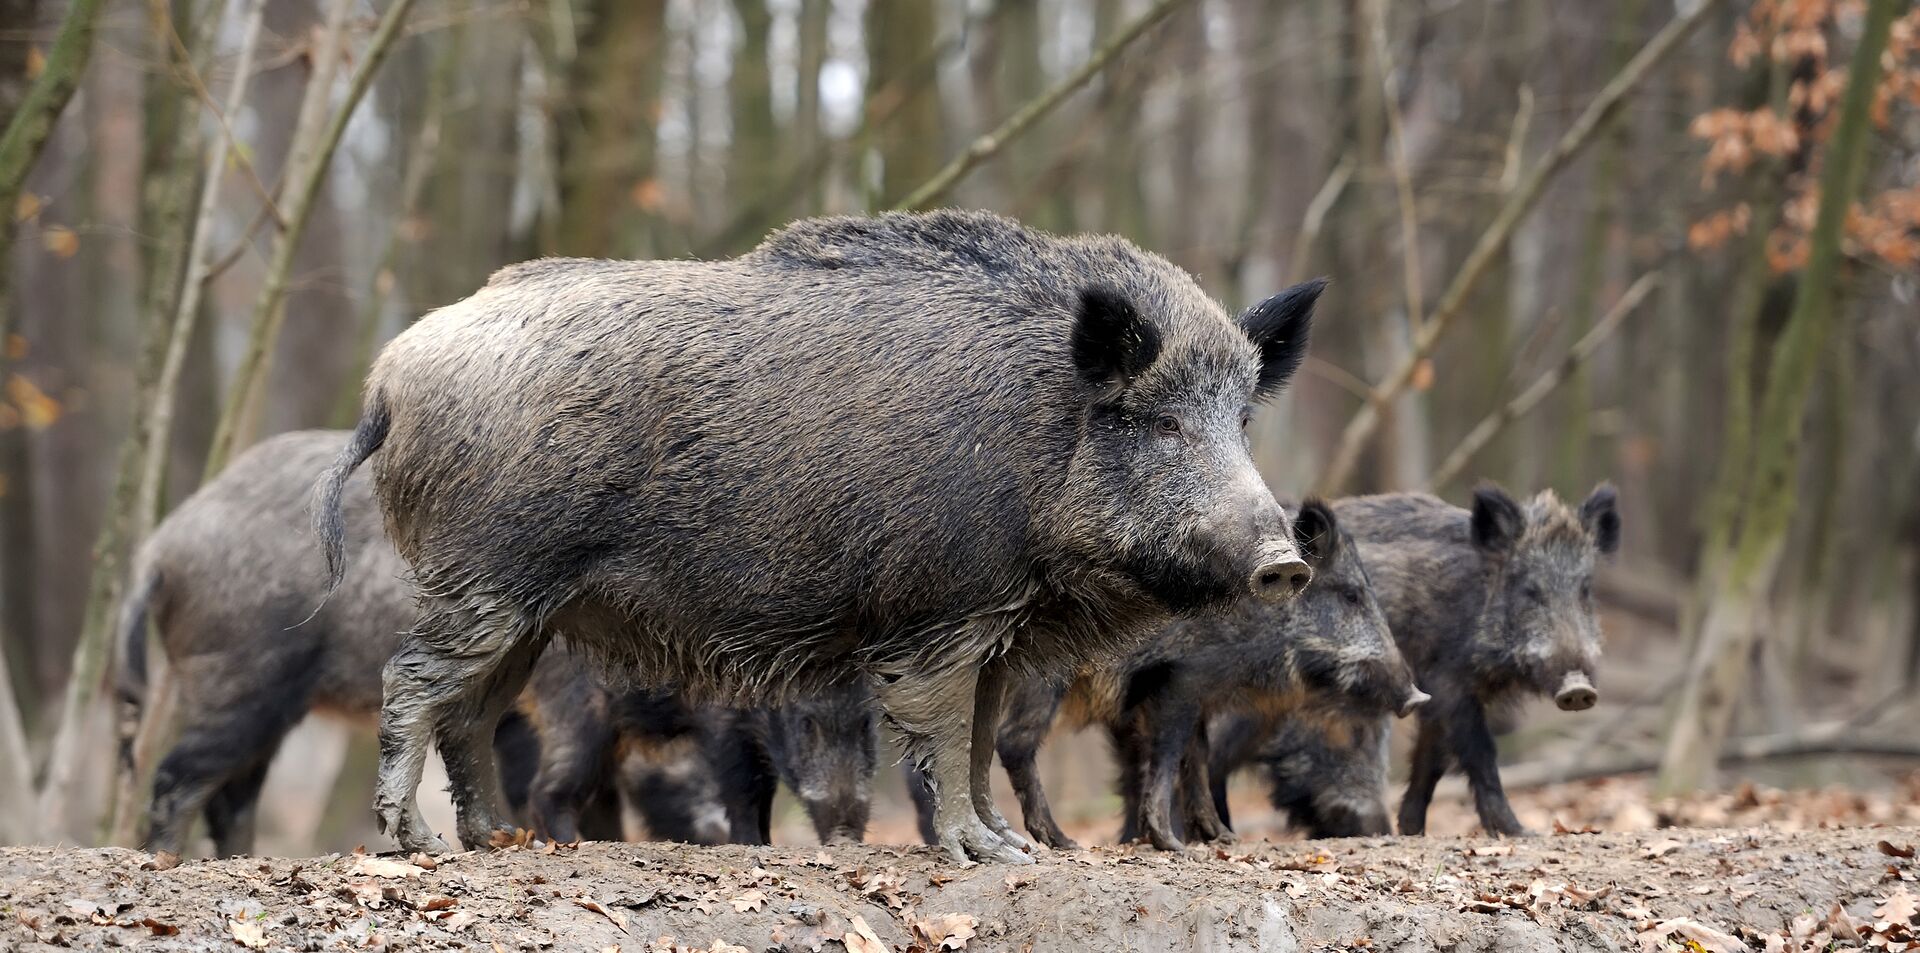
[1203, 822]
[1429, 763]
[988, 699]
[1473, 744]
[464, 734]
[935, 711]
[232, 811]
[1169, 727]
[437, 673]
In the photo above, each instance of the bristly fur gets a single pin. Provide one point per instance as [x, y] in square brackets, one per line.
[1490, 604]
[914, 449]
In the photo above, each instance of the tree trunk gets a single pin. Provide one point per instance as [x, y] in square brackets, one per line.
[606, 143]
[896, 33]
[1724, 647]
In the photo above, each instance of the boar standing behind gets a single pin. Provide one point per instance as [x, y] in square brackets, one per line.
[1490, 605]
[925, 451]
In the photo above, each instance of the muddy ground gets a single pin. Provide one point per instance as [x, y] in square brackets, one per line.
[1558, 892]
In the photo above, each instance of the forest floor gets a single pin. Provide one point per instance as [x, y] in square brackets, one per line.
[1713, 890]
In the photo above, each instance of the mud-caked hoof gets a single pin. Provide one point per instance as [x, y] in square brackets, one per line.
[971, 841]
[1165, 841]
[997, 823]
[1222, 836]
[485, 837]
[405, 825]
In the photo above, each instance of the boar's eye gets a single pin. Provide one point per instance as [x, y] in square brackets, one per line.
[1535, 593]
[1166, 424]
[1352, 596]
[1246, 418]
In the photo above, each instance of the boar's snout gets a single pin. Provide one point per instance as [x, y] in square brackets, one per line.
[1413, 701]
[1576, 693]
[1279, 578]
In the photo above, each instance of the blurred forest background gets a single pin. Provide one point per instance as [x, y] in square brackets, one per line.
[1570, 241]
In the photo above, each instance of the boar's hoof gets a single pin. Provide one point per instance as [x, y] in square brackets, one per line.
[409, 829]
[971, 841]
[1056, 840]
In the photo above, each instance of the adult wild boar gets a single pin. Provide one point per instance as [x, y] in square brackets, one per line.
[1490, 605]
[920, 450]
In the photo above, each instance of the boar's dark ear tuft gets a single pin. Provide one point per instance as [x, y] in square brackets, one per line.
[1497, 520]
[1112, 343]
[1600, 514]
[1279, 327]
[1317, 534]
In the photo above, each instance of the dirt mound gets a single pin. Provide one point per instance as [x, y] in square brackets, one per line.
[1567, 892]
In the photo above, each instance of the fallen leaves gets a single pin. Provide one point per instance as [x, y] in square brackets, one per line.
[1891, 850]
[1662, 848]
[860, 938]
[247, 933]
[1684, 933]
[750, 901]
[588, 903]
[950, 932]
[381, 867]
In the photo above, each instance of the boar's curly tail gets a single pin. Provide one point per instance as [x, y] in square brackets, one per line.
[130, 685]
[328, 523]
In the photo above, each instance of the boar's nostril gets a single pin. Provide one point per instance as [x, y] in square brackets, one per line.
[1576, 699]
[1279, 581]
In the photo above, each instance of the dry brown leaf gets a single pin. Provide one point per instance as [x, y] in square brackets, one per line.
[1662, 848]
[27, 207]
[382, 867]
[860, 938]
[36, 63]
[1893, 850]
[438, 903]
[722, 946]
[61, 241]
[159, 929]
[950, 932]
[248, 934]
[1693, 933]
[423, 861]
[1898, 908]
[750, 901]
[588, 903]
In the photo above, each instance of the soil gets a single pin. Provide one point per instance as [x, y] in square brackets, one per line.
[1693, 889]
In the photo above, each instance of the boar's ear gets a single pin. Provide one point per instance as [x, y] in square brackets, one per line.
[1278, 326]
[1318, 536]
[1600, 514]
[1497, 520]
[1112, 343]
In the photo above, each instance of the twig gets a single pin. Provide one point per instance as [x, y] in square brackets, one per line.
[269, 308]
[1521, 201]
[1402, 172]
[1517, 140]
[1826, 738]
[1033, 111]
[1316, 218]
[157, 418]
[1491, 425]
[220, 115]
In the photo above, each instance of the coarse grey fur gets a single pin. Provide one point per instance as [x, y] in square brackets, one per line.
[228, 581]
[1326, 768]
[1324, 657]
[924, 450]
[1490, 605]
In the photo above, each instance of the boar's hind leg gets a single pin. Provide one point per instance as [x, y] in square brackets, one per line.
[989, 700]
[1169, 727]
[231, 812]
[935, 710]
[1473, 744]
[452, 677]
[1030, 710]
[1203, 821]
[1429, 763]
[921, 791]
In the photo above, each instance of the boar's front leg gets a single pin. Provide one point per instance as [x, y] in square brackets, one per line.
[1030, 710]
[935, 710]
[1473, 744]
[1196, 786]
[1169, 727]
[989, 699]
[1429, 763]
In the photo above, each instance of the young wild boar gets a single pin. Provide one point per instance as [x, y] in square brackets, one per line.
[228, 581]
[926, 451]
[1326, 768]
[1489, 604]
[824, 746]
[1327, 653]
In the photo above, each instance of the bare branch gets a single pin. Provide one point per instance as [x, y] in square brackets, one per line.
[1521, 201]
[1491, 425]
[987, 146]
